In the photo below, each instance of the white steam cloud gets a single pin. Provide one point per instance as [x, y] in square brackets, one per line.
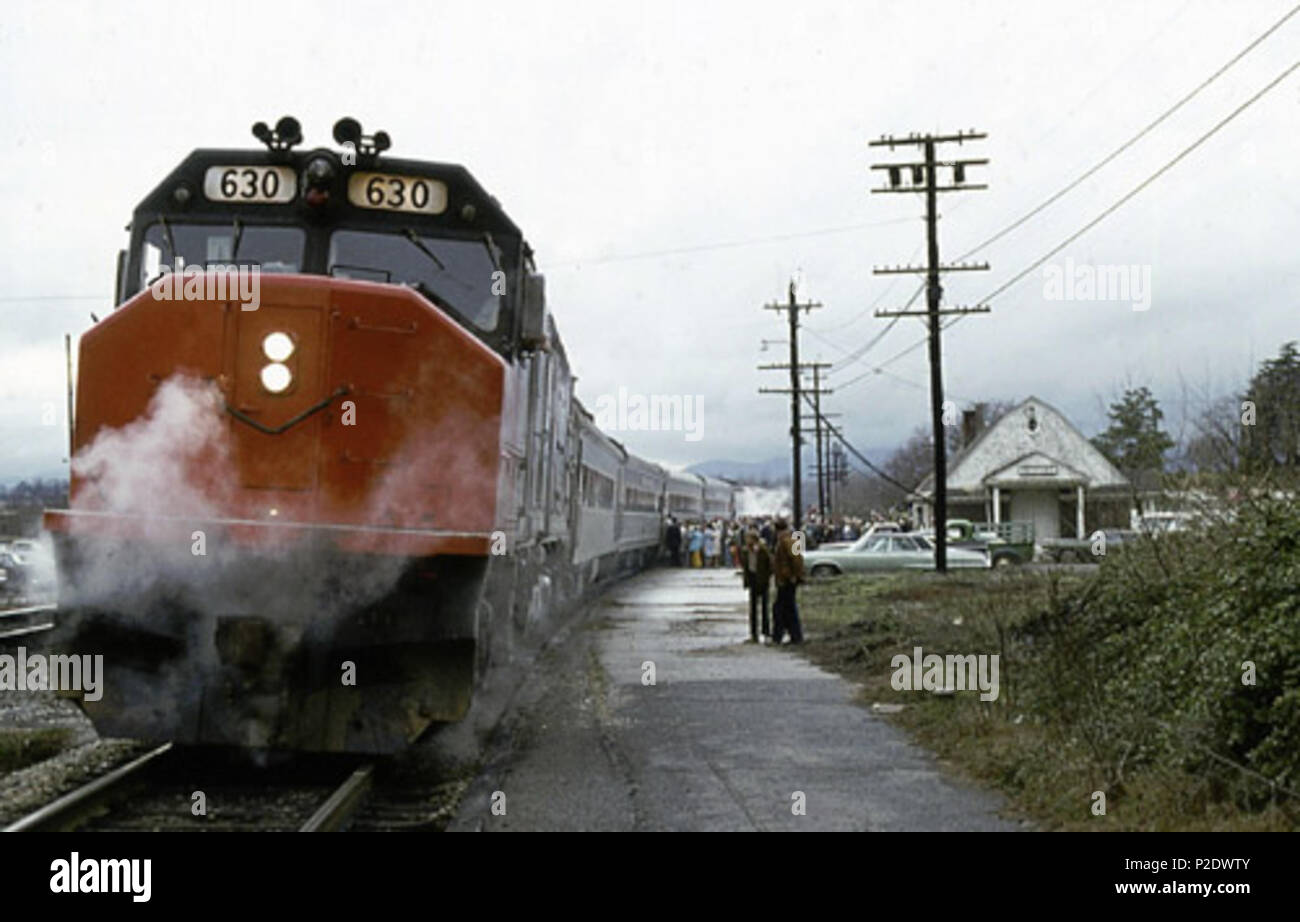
[762, 501]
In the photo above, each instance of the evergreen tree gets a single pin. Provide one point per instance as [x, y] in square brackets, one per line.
[1271, 439]
[1134, 442]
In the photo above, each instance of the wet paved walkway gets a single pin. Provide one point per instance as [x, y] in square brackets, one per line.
[732, 736]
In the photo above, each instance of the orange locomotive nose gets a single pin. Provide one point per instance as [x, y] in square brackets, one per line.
[349, 407]
[267, 486]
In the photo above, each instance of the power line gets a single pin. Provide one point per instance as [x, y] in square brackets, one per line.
[834, 430]
[1094, 222]
[650, 254]
[1142, 185]
[866, 310]
[1133, 140]
[1142, 47]
[836, 346]
[732, 244]
[1067, 188]
[870, 344]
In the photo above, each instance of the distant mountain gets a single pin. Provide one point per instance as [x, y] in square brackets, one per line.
[773, 470]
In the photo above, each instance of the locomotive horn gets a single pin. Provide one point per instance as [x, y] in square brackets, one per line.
[348, 131]
[287, 133]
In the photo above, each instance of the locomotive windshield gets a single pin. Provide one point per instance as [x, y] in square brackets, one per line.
[463, 274]
[466, 276]
[274, 249]
[428, 226]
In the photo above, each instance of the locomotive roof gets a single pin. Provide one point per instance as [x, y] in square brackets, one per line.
[469, 207]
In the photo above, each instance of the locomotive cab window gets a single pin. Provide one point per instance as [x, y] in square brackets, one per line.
[273, 249]
[459, 273]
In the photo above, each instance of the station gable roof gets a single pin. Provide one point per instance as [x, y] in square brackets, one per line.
[1033, 443]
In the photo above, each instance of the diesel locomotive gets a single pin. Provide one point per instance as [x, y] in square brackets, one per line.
[329, 468]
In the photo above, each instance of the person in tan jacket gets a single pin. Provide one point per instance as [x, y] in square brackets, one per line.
[787, 567]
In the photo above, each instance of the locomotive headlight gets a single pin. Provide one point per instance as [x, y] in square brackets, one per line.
[276, 377]
[277, 346]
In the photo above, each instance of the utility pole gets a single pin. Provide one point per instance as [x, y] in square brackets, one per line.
[924, 178]
[823, 432]
[844, 463]
[835, 466]
[832, 474]
[792, 307]
[797, 428]
[823, 443]
[817, 424]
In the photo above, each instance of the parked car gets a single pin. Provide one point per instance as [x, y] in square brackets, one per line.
[876, 528]
[1118, 537]
[1065, 550]
[888, 551]
[1080, 550]
[1007, 543]
[1160, 523]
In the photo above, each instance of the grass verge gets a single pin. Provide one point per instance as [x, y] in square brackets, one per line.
[1047, 742]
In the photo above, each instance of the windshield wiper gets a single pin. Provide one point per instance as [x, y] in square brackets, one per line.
[493, 252]
[438, 300]
[167, 234]
[419, 244]
[236, 236]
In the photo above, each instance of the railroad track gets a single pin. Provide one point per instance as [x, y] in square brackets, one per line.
[20, 622]
[121, 799]
[340, 807]
[74, 808]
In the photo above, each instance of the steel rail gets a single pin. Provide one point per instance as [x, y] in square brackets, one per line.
[335, 813]
[75, 807]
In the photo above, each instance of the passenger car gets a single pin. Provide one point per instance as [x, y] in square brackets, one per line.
[897, 551]
[875, 529]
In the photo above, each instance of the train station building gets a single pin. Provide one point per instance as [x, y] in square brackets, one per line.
[1031, 465]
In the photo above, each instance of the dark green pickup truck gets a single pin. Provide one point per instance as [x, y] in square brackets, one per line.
[1007, 543]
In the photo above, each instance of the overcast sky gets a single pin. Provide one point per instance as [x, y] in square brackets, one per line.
[612, 130]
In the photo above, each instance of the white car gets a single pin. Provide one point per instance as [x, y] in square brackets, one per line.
[889, 551]
[876, 529]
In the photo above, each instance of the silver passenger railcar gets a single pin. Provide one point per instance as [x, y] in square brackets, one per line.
[685, 496]
[641, 516]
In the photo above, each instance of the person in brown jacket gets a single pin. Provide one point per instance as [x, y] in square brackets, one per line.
[756, 561]
[787, 567]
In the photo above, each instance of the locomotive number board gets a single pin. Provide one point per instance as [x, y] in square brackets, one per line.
[390, 192]
[258, 185]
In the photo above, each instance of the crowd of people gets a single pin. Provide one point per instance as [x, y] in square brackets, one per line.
[763, 550]
[821, 529]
